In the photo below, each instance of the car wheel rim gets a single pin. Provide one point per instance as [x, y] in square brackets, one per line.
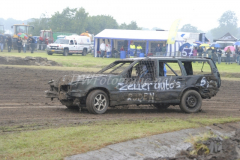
[100, 102]
[191, 101]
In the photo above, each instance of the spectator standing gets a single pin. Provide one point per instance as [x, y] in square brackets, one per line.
[102, 49]
[238, 55]
[1, 42]
[194, 53]
[122, 48]
[31, 42]
[164, 49]
[200, 51]
[219, 53]
[115, 53]
[24, 44]
[108, 50]
[9, 43]
[204, 52]
[19, 44]
[209, 52]
[139, 49]
[228, 53]
[132, 50]
[214, 55]
[158, 50]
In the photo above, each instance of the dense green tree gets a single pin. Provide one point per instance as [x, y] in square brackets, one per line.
[227, 23]
[189, 28]
[98, 23]
[132, 26]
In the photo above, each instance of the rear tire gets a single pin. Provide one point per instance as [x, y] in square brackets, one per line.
[97, 102]
[49, 53]
[161, 106]
[191, 102]
[65, 53]
[84, 52]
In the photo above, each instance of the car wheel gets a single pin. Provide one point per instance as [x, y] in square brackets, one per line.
[97, 102]
[84, 52]
[65, 53]
[69, 105]
[49, 53]
[161, 105]
[191, 102]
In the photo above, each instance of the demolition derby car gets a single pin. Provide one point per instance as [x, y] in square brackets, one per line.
[158, 81]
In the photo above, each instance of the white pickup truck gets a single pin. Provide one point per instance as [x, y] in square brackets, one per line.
[70, 45]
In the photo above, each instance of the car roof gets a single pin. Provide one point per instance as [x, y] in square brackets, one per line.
[166, 58]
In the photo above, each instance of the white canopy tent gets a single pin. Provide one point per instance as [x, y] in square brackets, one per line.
[114, 35]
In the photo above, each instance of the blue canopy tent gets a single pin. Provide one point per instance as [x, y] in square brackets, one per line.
[145, 37]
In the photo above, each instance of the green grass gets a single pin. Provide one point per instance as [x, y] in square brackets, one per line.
[91, 62]
[65, 141]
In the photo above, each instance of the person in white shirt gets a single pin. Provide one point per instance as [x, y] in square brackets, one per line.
[102, 48]
[108, 50]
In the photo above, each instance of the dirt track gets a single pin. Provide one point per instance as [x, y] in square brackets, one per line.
[22, 102]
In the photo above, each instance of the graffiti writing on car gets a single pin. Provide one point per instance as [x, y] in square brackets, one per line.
[166, 85]
[141, 97]
[204, 83]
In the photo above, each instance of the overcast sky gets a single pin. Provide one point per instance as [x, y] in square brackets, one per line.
[147, 13]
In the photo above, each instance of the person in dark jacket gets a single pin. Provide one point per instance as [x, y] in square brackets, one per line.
[214, 55]
[219, 54]
[238, 55]
[31, 42]
[228, 53]
[200, 51]
[1, 42]
[19, 44]
[9, 43]
[158, 50]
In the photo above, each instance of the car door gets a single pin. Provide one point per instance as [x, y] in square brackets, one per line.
[170, 82]
[138, 88]
[72, 46]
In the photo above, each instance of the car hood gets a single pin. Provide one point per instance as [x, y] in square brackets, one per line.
[68, 79]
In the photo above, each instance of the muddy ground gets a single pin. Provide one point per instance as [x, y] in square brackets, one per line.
[23, 103]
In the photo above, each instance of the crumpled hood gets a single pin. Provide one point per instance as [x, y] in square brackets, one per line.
[67, 79]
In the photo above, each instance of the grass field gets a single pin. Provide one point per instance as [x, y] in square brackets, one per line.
[58, 143]
[97, 63]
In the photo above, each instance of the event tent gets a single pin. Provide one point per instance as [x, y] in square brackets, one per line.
[147, 38]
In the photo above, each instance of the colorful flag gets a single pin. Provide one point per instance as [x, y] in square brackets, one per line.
[173, 32]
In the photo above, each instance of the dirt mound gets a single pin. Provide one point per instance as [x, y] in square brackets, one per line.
[218, 148]
[36, 61]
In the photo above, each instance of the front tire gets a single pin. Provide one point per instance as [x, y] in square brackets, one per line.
[65, 53]
[191, 102]
[97, 102]
[84, 52]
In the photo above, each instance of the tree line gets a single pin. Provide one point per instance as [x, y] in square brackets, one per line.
[77, 20]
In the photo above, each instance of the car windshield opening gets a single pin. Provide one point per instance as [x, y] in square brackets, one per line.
[116, 67]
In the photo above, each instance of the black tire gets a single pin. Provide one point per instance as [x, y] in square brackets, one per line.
[161, 106]
[69, 105]
[191, 102]
[84, 52]
[96, 97]
[65, 52]
[49, 53]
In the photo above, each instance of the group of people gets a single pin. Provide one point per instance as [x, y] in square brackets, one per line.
[160, 50]
[21, 43]
[214, 53]
[105, 48]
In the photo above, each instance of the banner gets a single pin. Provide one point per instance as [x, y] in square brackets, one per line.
[173, 32]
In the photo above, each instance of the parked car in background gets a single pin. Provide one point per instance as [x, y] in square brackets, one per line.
[70, 45]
